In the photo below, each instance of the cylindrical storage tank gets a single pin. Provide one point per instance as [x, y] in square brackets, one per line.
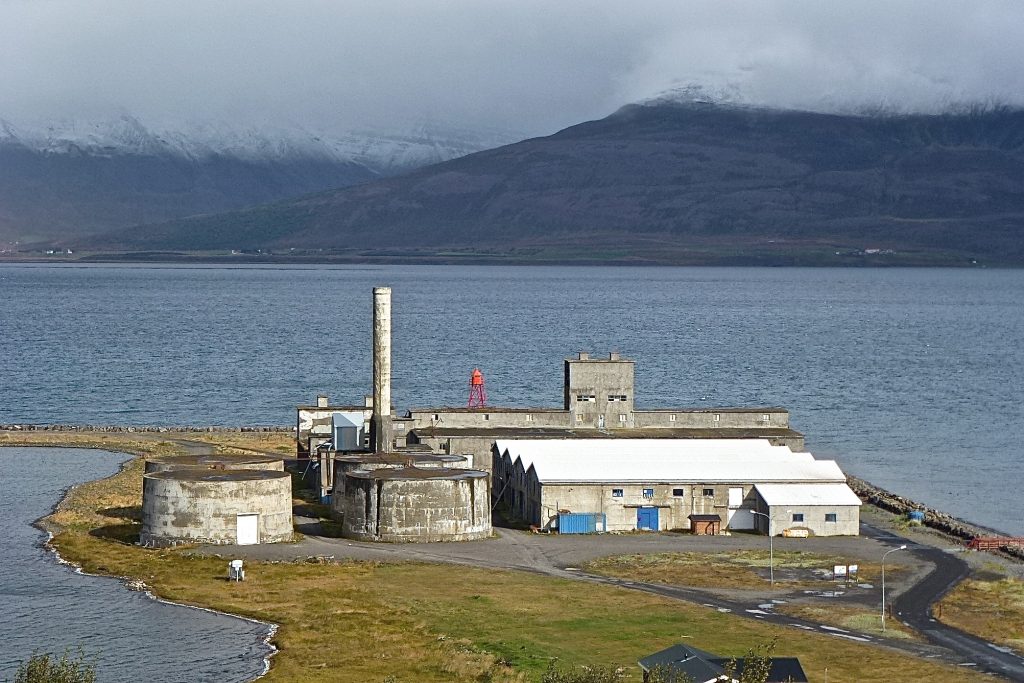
[343, 464]
[192, 505]
[416, 505]
[214, 461]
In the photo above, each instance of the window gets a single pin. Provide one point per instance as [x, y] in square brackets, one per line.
[717, 417]
[766, 418]
[678, 492]
[830, 516]
[435, 417]
[616, 493]
[616, 397]
[622, 418]
[581, 418]
[486, 416]
[648, 493]
[585, 398]
[672, 417]
[798, 516]
[709, 493]
[529, 418]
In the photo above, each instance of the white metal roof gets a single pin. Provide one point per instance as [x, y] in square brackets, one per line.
[666, 460]
[807, 494]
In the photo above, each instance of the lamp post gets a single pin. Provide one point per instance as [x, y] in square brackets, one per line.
[902, 547]
[771, 547]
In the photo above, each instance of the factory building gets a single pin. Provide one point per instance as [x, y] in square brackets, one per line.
[646, 484]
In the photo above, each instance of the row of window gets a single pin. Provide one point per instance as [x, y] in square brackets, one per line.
[678, 493]
[591, 398]
[829, 517]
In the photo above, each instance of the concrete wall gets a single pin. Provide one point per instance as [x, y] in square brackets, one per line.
[183, 506]
[484, 418]
[599, 393]
[847, 519]
[213, 462]
[371, 462]
[712, 418]
[452, 506]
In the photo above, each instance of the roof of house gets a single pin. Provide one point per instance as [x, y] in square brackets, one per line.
[807, 494]
[666, 460]
[704, 667]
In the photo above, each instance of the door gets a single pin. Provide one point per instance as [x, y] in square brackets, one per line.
[247, 528]
[647, 519]
[600, 421]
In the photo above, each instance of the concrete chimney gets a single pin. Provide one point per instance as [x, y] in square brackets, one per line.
[381, 422]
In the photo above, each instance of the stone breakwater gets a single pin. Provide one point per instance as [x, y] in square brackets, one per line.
[934, 519]
[134, 430]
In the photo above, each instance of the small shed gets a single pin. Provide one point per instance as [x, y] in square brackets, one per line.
[705, 525]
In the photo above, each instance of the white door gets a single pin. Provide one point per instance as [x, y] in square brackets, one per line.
[248, 529]
[736, 497]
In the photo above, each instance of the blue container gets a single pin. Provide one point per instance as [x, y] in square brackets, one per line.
[581, 522]
[916, 516]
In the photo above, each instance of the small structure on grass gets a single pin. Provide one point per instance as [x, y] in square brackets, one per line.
[680, 661]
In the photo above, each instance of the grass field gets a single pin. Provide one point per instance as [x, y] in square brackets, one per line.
[993, 609]
[361, 621]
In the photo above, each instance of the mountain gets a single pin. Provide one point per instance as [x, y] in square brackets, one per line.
[673, 182]
[61, 180]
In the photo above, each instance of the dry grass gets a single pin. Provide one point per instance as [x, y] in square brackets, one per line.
[360, 621]
[280, 443]
[738, 569]
[991, 609]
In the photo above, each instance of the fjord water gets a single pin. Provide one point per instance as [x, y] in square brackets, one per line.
[129, 636]
[910, 378]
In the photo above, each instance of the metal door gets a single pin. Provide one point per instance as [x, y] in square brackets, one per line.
[647, 519]
[247, 528]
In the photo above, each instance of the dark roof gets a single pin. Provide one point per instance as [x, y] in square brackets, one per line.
[703, 666]
[705, 518]
[642, 433]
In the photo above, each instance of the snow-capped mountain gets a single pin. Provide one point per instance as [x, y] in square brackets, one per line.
[72, 177]
[380, 151]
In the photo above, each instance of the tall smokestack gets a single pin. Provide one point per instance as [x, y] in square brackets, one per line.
[381, 423]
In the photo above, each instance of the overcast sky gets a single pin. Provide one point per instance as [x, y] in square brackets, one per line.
[525, 65]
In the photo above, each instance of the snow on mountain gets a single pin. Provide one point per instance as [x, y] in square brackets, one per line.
[383, 152]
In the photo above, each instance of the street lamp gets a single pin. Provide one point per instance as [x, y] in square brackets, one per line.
[771, 547]
[902, 547]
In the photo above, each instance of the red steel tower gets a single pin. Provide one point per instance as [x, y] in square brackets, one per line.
[477, 393]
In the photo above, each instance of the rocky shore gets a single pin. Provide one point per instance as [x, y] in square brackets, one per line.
[934, 519]
[134, 430]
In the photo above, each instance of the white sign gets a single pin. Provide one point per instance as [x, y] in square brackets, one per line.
[839, 570]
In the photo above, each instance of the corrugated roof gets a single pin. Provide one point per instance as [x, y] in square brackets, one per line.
[664, 460]
[807, 494]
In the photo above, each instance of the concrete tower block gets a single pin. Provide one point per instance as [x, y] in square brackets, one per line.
[382, 369]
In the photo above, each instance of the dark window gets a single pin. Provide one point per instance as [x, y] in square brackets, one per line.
[616, 493]
[830, 516]
[677, 492]
[798, 516]
[648, 493]
[709, 493]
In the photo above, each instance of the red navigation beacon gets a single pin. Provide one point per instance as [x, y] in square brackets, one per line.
[477, 393]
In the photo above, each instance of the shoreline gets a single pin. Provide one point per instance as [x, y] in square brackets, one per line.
[129, 583]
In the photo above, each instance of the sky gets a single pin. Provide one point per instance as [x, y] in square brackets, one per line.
[525, 65]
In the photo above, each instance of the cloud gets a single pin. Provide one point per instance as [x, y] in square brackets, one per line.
[529, 65]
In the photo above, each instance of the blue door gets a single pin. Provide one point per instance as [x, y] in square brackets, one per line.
[647, 519]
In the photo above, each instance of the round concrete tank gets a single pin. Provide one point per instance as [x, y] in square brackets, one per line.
[343, 464]
[416, 505]
[214, 461]
[191, 505]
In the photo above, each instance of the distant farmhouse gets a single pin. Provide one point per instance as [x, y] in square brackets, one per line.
[689, 663]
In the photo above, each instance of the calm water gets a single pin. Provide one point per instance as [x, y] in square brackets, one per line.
[47, 606]
[911, 378]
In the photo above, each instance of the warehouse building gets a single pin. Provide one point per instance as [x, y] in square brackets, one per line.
[644, 484]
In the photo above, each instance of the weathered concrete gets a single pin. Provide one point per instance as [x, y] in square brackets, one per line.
[199, 506]
[213, 461]
[599, 392]
[382, 370]
[415, 505]
[343, 464]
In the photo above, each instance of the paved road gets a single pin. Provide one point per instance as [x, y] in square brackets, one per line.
[913, 607]
[929, 573]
